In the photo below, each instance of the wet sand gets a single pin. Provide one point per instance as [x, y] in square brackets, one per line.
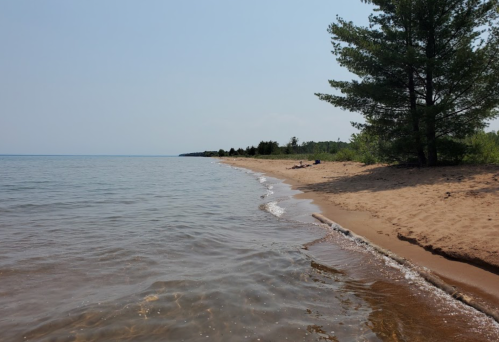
[445, 219]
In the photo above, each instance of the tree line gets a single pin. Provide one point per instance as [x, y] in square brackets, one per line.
[479, 148]
[266, 148]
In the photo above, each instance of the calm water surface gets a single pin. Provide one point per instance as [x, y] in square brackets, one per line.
[186, 249]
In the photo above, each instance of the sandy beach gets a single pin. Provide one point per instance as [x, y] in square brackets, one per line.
[445, 219]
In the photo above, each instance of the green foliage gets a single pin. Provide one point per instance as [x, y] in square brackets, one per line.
[210, 153]
[292, 148]
[268, 147]
[321, 147]
[367, 148]
[428, 74]
[293, 142]
[323, 156]
[221, 153]
[367, 159]
[451, 151]
[483, 148]
[359, 149]
[285, 156]
[346, 154]
[250, 151]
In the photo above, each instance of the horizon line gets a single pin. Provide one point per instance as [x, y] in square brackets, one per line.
[87, 155]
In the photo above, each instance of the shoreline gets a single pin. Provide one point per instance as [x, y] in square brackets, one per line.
[474, 280]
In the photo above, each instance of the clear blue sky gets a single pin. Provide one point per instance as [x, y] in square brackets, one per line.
[166, 77]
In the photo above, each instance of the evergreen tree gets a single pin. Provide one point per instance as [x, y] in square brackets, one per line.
[268, 147]
[428, 72]
[294, 144]
[251, 151]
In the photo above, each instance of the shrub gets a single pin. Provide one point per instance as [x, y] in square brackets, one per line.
[483, 148]
[451, 151]
[367, 159]
[367, 148]
[324, 156]
[284, 156]
[345, 154]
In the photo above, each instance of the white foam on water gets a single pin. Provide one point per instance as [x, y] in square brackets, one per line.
[267, 194]
[411, 275]
[480, 320]
[444, 303]
[269, 191]
[274, 209]
[262, 179]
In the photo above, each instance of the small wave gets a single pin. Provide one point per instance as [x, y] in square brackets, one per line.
[273, 208]
[269, 193]
[262, 179]
[409, 272]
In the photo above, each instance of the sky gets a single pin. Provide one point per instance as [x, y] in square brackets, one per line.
[163, 77]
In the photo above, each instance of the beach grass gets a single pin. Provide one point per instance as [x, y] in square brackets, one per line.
[343, 155]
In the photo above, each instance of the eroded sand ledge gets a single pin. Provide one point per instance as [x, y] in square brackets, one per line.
[451, 211]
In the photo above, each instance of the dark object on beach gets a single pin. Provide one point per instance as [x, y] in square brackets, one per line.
[317, 162]
[300, 166]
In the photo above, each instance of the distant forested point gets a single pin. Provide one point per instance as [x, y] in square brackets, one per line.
[200, 154]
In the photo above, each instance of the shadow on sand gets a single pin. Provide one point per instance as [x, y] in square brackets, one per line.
[384, 178]
[478, 180]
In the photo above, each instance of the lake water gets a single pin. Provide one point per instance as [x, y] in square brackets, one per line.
[187, 249]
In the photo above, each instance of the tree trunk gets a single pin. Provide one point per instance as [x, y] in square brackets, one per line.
[430, 112]
[415, 121]
[431, 141]
[419, 149]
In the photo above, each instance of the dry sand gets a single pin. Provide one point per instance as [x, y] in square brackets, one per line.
[450, 211]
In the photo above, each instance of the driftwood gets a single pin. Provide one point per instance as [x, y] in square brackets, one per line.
[431, 278]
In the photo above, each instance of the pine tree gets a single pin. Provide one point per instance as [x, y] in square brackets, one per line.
[428, 71]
